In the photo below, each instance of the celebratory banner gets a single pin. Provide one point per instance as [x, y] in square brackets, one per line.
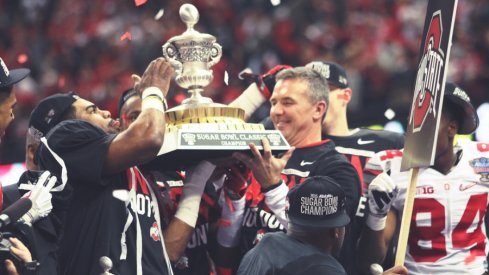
[421, 132]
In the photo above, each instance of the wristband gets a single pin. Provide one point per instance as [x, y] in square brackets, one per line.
[188, 206]
[152, 97]
[250, 99]
[376, 223]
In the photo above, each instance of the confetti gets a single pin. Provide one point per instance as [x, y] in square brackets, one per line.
[275, 2]
[140, 2]
[22, 58]
[126, 35]
[389, 114]
[226, 78]
[159, 14]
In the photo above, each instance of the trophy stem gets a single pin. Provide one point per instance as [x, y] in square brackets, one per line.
[196, 98]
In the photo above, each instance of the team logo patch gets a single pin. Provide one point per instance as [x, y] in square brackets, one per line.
[481, 167]
[154, 232]
[429, 77]
[49, 116]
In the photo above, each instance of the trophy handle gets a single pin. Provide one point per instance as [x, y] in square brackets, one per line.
[216, 53]
[170, 53]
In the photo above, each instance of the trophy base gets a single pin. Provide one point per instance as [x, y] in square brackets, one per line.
[192, 143]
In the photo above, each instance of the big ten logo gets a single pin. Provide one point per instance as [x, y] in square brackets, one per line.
[143, 205]
[421, 190]
[199, 237]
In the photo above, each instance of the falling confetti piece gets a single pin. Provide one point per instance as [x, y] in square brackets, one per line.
[126, 35]
[22, 58]
[226, 78]
[159, 14]
[275, 2]
[389, 114]
[140, 2]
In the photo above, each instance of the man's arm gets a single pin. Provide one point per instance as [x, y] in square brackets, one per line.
[380, 223]
[181, 227]
[373, 245]
[143, 139]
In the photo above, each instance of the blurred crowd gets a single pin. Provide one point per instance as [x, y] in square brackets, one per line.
[80, 46]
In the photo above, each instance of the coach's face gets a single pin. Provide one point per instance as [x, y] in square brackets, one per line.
[293, 113]
[7, 104]
[87, 111]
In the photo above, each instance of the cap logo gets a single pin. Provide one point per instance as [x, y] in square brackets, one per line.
[35, 133]
[322, 69]
[49, 116]
[319, 205]
[343, 80]
[4, 68]
[462, 94]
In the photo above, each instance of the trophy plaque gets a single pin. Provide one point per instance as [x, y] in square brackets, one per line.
[199, 128]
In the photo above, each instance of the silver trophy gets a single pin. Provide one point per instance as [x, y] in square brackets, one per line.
[199, 128]
[192, 54]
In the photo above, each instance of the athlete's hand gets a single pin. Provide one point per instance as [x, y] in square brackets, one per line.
[158, 74]
[265, 82]
[266, 168]
[40, 197]
[236, 181]
[381, 193]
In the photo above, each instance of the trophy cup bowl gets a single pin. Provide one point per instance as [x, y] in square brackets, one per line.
[199, 128]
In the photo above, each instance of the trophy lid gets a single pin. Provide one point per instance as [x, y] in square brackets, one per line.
[190, 16]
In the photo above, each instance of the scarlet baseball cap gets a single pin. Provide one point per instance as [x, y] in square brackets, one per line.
[459, 97]
[333, 72]
[319, 202]
[10, 77]
[49, 112]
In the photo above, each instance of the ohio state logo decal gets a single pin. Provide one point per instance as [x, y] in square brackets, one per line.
[154, 232]
[429, 77]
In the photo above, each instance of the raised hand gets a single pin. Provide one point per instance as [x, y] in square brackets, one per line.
[266, 168]
[158, 74]
[40, 196]
[381, 193]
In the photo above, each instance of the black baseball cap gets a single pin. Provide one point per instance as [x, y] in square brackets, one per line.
[49, 112]
[334, 73]
[124, 97]
[319, 202]
[9, 78]
[459, 97]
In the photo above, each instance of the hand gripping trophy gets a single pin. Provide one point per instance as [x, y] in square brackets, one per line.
[199, 128]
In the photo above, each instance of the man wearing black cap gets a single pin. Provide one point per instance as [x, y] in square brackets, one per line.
[187, 243]
[447, 233]
[7, 93]
[317, 219]
[8, 79]
[112, 211]
[358, 145]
